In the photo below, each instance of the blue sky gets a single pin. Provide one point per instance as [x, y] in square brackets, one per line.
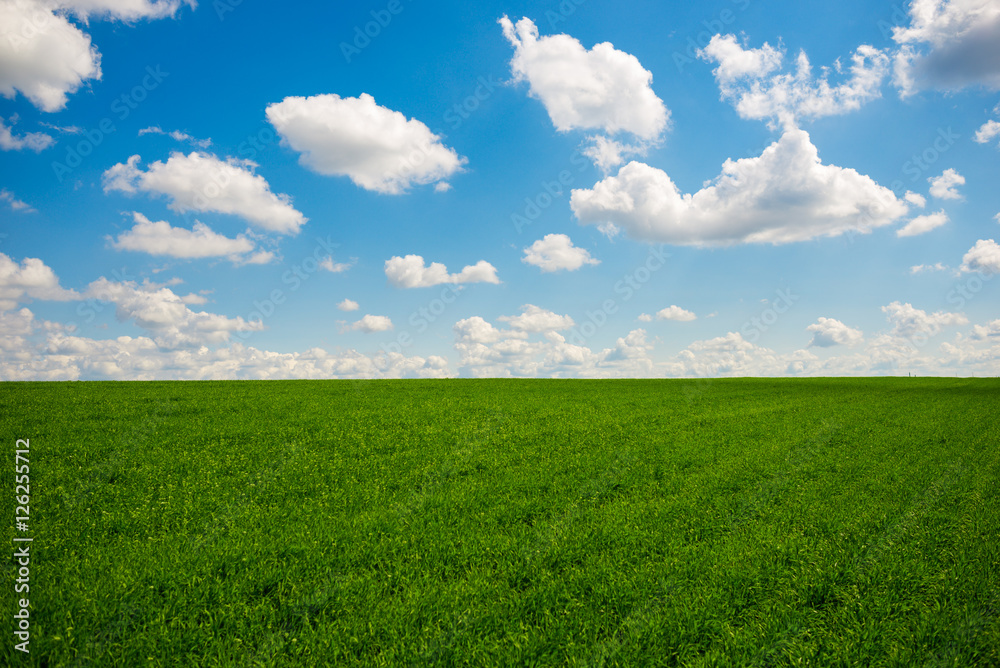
[575, 189]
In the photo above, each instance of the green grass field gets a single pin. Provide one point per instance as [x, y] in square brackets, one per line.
[509, 522]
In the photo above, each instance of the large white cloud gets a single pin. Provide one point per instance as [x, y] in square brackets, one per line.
[984, 257]
[948, 45]
[745, 78]
[413, 272]
[602, 89]
[831, 332]
[378, 148]
[33, 141]
[202, 182]
[161, 238]
[556, 252]
[46, 57]
[43, 55]
[786, 194]
[29, 279]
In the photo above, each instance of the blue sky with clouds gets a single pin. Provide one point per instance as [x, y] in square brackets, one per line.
[574, 189]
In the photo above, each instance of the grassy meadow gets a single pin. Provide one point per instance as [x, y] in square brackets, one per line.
[828, 522]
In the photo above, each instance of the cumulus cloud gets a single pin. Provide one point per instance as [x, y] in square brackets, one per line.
[786, 194]
[745, 78]
[376, 147]
[176, 135]
[908, 321]
[984, 257]
[922, 224]
[987, 132]
[536, 319]
[27, 280]
[14, 203]
[556, 252]
[674, 312]
[372, 323]
[43, 55]
[948, 45]
[161, 238]
[348, 305]
[829, 332]
[412, 272]
[202, 182]
[943, 186]
[916, 199]
[601, 89]
[33, 141]
[165, 315]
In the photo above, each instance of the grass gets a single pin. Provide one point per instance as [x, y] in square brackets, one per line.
[511, 522]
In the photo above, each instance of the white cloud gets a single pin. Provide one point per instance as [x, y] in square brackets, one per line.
[645, 317]
[603, 88]
[176, 135]
[948, 45]
[909, 321]
[915, 199]
[674, 312]
[987, 132]
[412, 272]
[922, 268]
[372, 323]
[556, 252]
[922, 224]
[784, 195]
[376, 147]
[43, 55]
[744, 77]
[943, 187]
[34, 141]
[348, 305]
[29, 279]
[985, 332]
[160, 238]
[15, 203]
[203, 182]
[984, 257]
[536, 319]
[123, 10]
[327, 264]
[165, 315]
[829, 332]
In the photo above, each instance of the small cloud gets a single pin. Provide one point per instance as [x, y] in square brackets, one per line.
[348, 305]
[15, 203]
[370, 324]
[943, 187]
[328, 264]
[33, 141]
[923, 268]
[923, 224]
[829, 332]
[556, 252]
[987, 132]
[915, 199]
[675, 313]
[176, 135]
[645, 317]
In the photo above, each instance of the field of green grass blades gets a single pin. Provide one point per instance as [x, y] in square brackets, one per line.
[510, 522]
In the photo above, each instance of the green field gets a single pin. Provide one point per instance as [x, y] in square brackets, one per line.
[509, 522]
